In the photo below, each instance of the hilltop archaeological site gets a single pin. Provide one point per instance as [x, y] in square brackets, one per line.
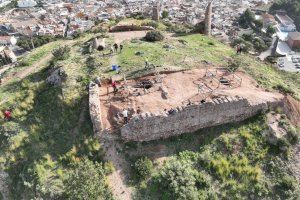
[165, 103]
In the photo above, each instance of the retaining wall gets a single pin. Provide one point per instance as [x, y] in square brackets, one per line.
[94, 108]
[123, 28]
[152, 126]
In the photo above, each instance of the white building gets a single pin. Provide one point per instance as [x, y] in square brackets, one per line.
[26, 3]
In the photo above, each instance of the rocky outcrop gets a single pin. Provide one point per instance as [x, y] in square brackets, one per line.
[94, 108]
[98, 44]
[57, 76]
[152, 126]
[292, 109]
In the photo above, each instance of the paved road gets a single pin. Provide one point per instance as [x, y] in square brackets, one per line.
[268, 52]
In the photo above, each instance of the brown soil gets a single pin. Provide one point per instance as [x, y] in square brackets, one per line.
[117, 180]
[292, 110]
[182, 88]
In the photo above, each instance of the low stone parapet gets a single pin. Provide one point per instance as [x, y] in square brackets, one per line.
[153, 126]
[95, 108]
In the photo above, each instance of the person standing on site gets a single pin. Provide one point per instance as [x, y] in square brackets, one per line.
[238, 48]
[116, 47]
[146, 63]
[114, 86]
[121, 48]
[125, 115]
[7, 115]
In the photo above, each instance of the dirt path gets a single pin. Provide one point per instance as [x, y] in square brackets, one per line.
[117, 179]
[33, 68]
[28, 70]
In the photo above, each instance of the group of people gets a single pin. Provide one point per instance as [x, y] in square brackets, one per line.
[115, 48]
[125, 114]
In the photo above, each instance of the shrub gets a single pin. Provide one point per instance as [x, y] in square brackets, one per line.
[284, 89]
[86, 181]
[177, 180]
[293, 135]
[61, 53]
[153, 24]
[153, 36]
[211, 43]
[165, 14]
[270, 30]
[286, 187]
[109, 167]
[247, 46]
[259, 44]
[234, 63]
[143, 167]
[91, 63]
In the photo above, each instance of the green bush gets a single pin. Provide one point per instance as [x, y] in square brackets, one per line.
[153, 36]
[26, 42]
[144, 168]
[284, 89]
[86, 180]
[177, 180]
[270, 30]
[165, 14]
[247, 46]
[109, 167]
[259, 44]
[61, 53]
[151, 23]
[286, 187]
[293, 135]
[234, 63]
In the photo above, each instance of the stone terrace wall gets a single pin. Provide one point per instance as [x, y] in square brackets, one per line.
[94, 107]
[152, 126]
[122, 28]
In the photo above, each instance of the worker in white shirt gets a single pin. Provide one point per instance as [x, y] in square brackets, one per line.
[125, 115]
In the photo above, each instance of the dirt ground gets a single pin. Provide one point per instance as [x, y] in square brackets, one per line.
[117, 179]
[181, 88]
[119, 37]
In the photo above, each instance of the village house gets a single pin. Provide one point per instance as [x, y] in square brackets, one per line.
[7, 55]
[294, 41]
[285, 23]
[26, 3]
[268, 20]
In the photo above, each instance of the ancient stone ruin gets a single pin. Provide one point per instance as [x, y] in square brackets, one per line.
[94, 107]
[156, 12]
[98, 44]
[152, 126]
[162, 105]
[208, 13]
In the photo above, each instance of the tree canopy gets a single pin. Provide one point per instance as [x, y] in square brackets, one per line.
[87, 181]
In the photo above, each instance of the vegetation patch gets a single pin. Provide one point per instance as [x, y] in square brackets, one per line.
[235, 164]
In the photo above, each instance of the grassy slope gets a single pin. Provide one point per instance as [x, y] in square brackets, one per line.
[235, 162]
[199, 48]
[44, 120]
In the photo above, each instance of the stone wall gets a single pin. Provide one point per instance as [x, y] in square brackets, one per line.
[94, 107]
[152, 126]
[122, 28]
